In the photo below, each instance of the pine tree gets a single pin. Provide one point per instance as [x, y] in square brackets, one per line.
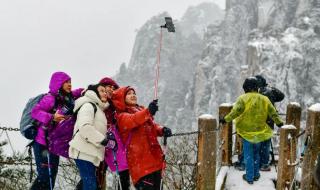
[12, 177]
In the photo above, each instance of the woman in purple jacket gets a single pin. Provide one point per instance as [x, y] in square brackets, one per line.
[53, 108]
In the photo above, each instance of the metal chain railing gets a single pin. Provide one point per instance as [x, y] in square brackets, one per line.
[9, 129]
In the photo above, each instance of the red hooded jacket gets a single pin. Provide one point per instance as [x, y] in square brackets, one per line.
[139, 132]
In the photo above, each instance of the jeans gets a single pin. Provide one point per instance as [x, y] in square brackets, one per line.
[240, 159]
[251, 159]
[265, 153]
[150, 182]
[42, 182]
[88, 174]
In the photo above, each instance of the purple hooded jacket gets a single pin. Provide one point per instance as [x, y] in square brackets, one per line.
[42, 112]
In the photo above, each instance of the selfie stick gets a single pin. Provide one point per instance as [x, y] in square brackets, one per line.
[169, 25]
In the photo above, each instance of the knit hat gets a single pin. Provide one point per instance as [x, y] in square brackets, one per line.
[108, 81]
[250, 84]
[261, 81]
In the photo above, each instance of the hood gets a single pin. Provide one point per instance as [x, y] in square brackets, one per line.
[118, 98]
[56, 81]
[90, 96]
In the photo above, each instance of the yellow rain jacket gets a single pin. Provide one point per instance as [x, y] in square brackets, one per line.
[250, 113]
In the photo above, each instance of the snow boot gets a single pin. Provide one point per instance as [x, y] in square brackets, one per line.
[245, 178]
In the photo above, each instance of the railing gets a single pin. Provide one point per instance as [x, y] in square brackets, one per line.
[213, 144]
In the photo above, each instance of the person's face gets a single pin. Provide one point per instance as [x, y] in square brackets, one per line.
[110, 89]
[131, 98]
[103, 94]
[67, 86]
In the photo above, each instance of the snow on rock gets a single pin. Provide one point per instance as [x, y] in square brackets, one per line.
[206, 116]
[288, 127]
[315, 107]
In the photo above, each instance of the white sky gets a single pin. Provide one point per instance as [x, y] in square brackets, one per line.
[88, 39]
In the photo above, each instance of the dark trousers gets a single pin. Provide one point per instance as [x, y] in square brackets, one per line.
[88, 174]
[124, 180]
[150, 182]
[265, 153]
[251, 152]
[41, 154]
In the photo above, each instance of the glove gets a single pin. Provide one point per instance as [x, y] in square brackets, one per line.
[280, 125]
[166, 132]
[153, 107]
[110, 141]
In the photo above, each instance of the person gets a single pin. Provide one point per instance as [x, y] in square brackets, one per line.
[87, 147]
[274, 95]
[139, 133]
[250, 113]
[47, 112]
[118, 162]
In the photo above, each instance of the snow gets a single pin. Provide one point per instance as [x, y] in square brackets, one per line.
[221, 176]
[226, 105]
[306, 20]
[295, 104]
[288, 127]
[235, 181]
[315, 107]
[206, 116]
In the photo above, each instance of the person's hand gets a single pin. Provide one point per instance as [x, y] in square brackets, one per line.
[58, 117]
[153, 107]
[166, 132]
[110, 141]
[280, 125]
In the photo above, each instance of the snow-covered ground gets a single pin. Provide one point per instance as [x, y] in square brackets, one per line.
[234, 180]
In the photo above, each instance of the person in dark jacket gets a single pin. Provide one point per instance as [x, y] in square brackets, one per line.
[274, 95]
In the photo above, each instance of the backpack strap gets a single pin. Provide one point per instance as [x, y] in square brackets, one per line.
[95, 109]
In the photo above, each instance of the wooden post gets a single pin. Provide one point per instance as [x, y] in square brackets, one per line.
[206, 168]
[293, 116]
[287, 156]
[225, 136]
[313, 148]
[238, 145]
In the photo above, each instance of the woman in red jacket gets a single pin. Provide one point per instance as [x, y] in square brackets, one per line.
[139, 133]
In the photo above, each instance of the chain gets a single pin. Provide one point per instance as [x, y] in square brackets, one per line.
[9, 129]
[182, 164]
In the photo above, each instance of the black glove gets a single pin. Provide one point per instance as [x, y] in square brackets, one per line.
[166, 132]
[153, 107]
[280, 125]
[110, 141]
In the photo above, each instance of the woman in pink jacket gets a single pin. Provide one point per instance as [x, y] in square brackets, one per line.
[116, 158]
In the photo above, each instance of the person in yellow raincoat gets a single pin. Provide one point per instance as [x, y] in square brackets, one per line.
[250, 112]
